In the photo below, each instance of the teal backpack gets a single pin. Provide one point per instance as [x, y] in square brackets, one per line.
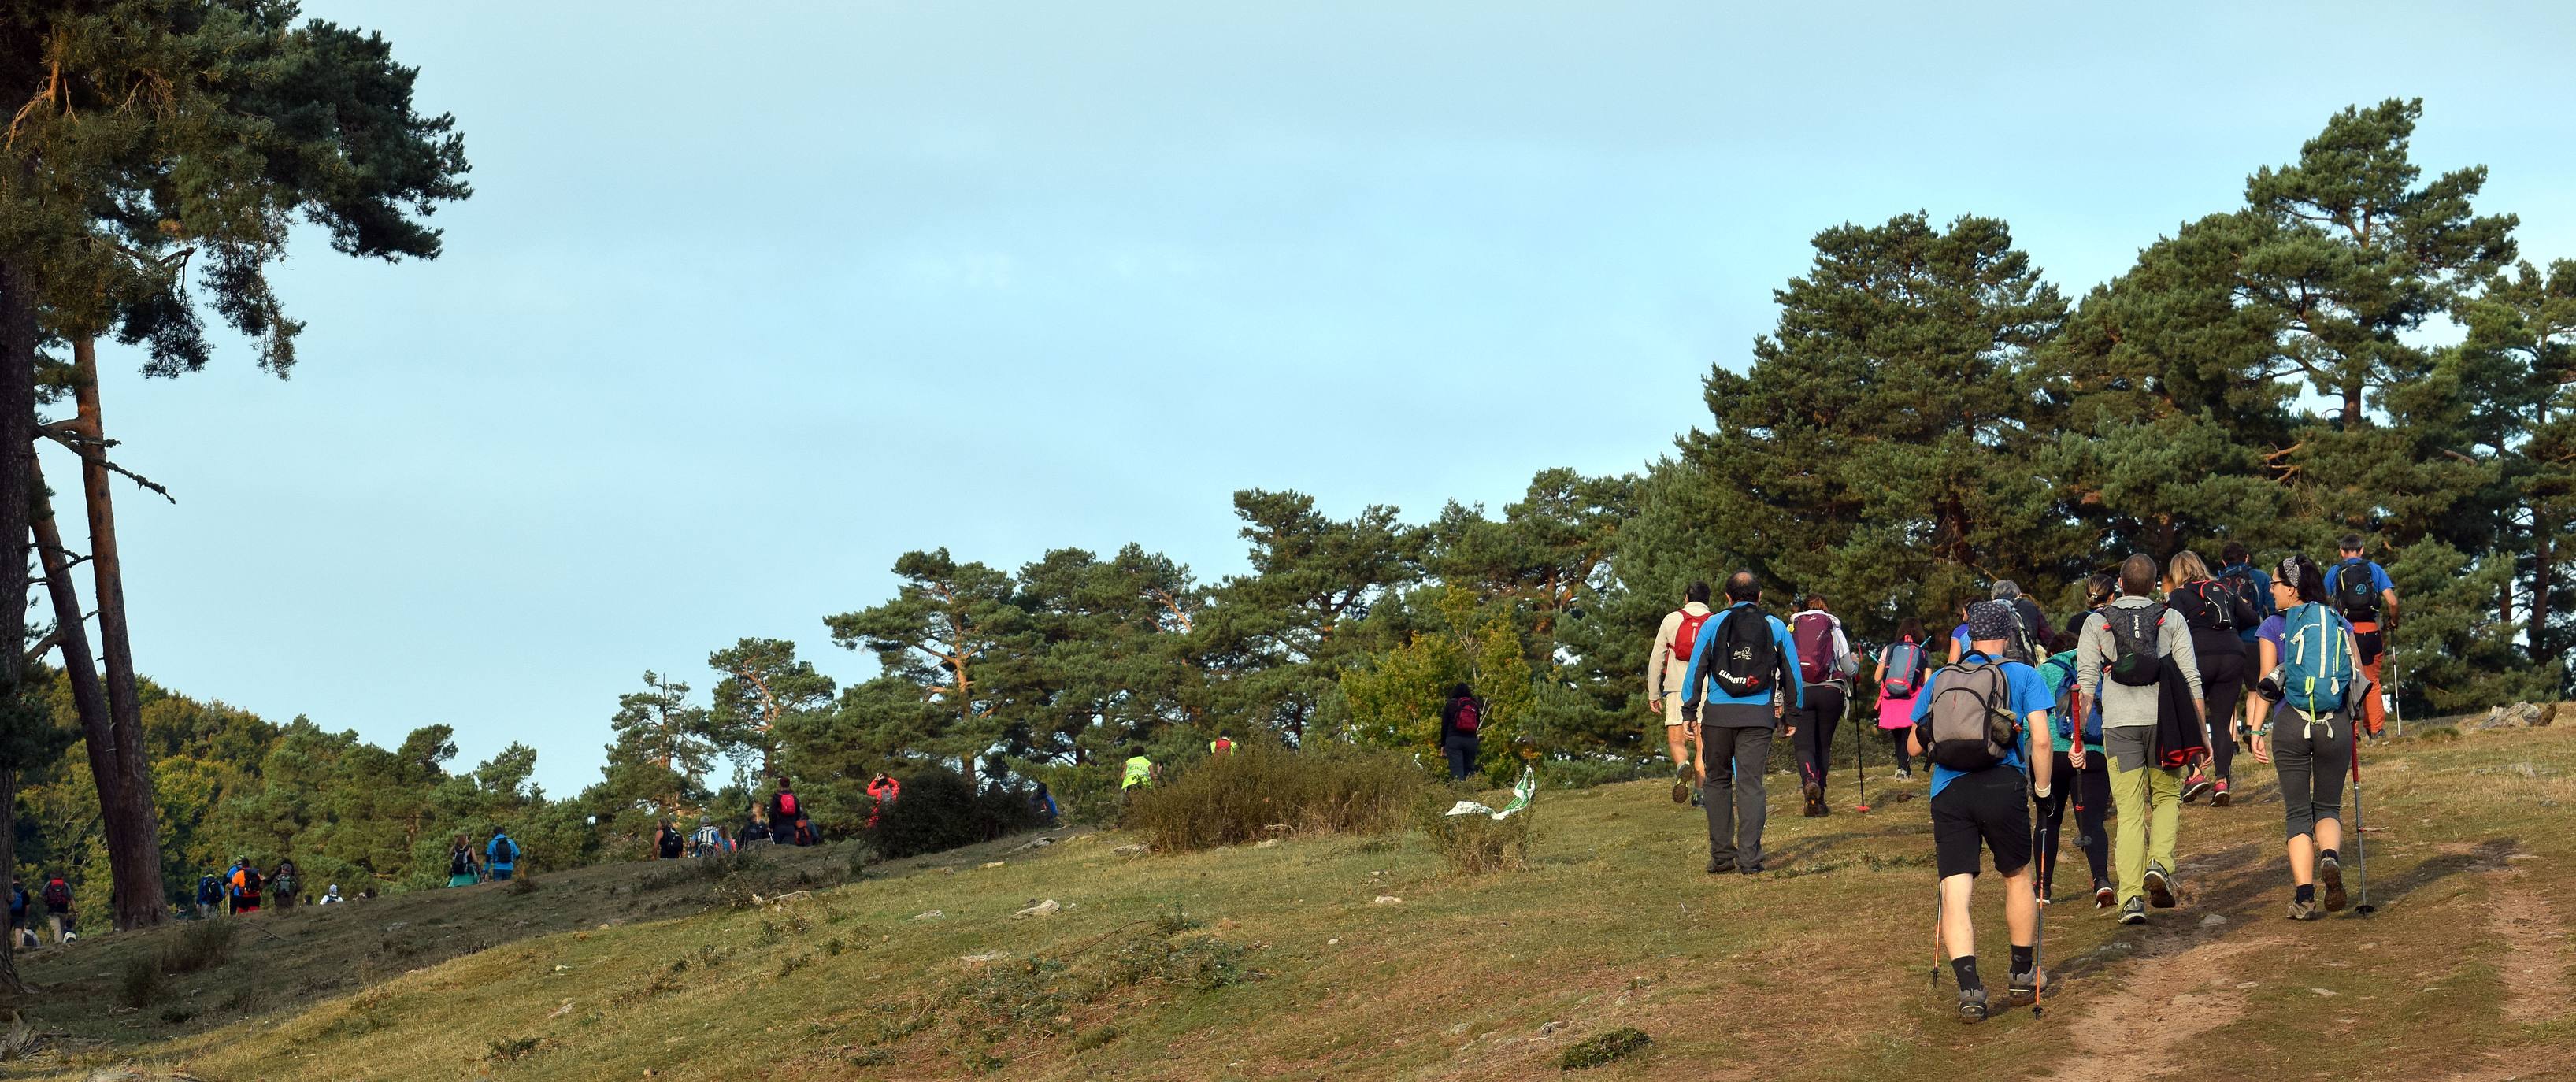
[2317, 665]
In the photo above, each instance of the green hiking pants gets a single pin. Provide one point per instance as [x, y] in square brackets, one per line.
[2148, 800]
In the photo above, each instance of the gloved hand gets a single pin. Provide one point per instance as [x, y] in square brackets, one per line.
[1690, 713]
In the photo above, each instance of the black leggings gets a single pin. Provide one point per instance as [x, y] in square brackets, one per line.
[1816, 722]
[2090, 791]
[2222, 680]
[1896, 746]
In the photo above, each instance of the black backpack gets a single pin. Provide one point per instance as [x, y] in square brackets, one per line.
[1747, 654]
[459, 862]
[2354, 595]
[504, 851]
[2135, 639]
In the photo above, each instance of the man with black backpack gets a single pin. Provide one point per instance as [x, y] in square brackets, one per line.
[1743, 674]
[1825, 668]
[2248, 581]
[501, 854]
[2130, 641]
[2366, 598]
[2030, 633]
[1667, 662]
[1974, 723]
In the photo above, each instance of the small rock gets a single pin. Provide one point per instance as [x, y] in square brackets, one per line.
[562, 968]
[931, 915]
[980, 959]
[1459, 1028]
[991, 864]
[2511, 857]
[1129, 850]
[2212, 921]
[397, 925]
[2322, 991]
[1388, 899]
[1265, 843]
[562, 1010]
[2243, 985]
[1046, 908]
[1333, 942]
[1549, 1030]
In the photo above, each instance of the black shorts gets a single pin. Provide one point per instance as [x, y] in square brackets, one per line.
[1990, 807]
[2370, 642]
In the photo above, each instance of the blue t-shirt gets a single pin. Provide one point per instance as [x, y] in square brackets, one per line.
[2379, 580]
[2029, 695]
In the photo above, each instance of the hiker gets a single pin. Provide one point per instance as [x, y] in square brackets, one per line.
[2030, 625]
[2366, 598]
[1042, 804]
[1461, 718]
[330, 896]
[2249, 581]
[1901, 669]
[2131, 642]
[58, 907]
[1959, 634]
[756, 829]
[2099, 589]
[18, 906]
[787, 822]
[707, 841]
[1666, 663]
[1823, 653]
[501, 854]
[1743, 675]
[246, 887]
[1220, 747]
[2213, 611]
[283, 883]
[1974, 723]
[2303, 725]
[461, 871]
[667, 842]
[2081, 777]
[210, 896]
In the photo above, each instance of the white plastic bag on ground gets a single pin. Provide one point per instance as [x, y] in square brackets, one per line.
[1522, 791]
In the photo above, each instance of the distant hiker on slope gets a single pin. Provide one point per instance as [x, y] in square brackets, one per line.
[501, 854]
[330, 896]
[706, 841]
[2367, 599]
[210, 896]
[2311, 689]
[1824, 667]
[1974, 723]
[787, 821]
[1667, 662]
[2213, 610]
[1139, 774]
[283, 884]
[1462, 721]
[2082, 778]
[1902, 667]
[246, 888]
[1743, 673]
[2244, 578]
[461, 871]
[2129, 642]
[668, 842]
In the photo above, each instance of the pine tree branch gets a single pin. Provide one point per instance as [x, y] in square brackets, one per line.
[82, 444]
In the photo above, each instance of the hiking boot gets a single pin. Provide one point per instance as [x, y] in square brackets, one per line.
[2103, 896]
[1695, 798]
[1682, 785]
[1716, 866]
[2160, 886]
[2330, 883]
[2025, 986]
[2135, 912]
[1754, 868]
[2195, 787]
[2219, 799]
[1972, 1005]
[1815, 799]
[2303, 910]
[1902, 775]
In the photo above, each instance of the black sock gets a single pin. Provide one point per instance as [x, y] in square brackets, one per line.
[1964, 967]
[2021, 959]
[2329, 854]
[2306, 892]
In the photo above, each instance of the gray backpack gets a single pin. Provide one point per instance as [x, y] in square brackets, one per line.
[1969, 725]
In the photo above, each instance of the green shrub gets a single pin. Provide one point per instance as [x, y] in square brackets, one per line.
[1476, 844]
[1262, 790]
[138, 982]
[1087, 793]
[200, 944]
[1597, 1051]
[939, 812]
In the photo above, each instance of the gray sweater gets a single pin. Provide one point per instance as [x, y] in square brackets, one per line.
[2123, 706]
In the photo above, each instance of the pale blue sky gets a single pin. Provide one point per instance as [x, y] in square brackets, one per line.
[747, 305]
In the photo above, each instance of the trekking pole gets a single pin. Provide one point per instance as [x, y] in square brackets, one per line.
[1860, 770]
[2360, 848]
[1936, 931]
[2039, 921]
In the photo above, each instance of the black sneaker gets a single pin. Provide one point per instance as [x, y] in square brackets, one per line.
[2104, 897]
[1972, 1005]
[2160, 887]
[2135, 912]
[2026, 985]
[2330, 877]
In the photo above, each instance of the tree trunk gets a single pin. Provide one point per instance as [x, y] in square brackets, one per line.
[133, 830]
[17, 495]
[80, 670]
[2543, 644]
[10, 984]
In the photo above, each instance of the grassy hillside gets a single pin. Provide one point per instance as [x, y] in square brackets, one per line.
[1279, 961]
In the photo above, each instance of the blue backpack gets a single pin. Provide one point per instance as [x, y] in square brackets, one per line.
[2062, 715]
[2317, 664]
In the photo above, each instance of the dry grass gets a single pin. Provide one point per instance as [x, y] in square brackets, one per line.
[1612, 925]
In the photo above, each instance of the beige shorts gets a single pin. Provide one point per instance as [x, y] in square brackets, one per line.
[1672, 709]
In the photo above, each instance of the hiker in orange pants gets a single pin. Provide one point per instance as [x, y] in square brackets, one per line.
[2361, 590]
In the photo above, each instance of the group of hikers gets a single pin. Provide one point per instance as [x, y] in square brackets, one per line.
[784, 822]
[56, 896]
[2141, 699]
[243, 889]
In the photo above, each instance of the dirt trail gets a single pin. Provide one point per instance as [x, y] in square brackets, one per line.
[2176, 994]
[2535, 939]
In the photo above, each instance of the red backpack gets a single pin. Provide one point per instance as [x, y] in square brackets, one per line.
[787, 803]
[1687, 638]
[1467, 716]
[1814, 636]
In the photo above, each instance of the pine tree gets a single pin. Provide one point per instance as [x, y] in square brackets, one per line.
[946, 622]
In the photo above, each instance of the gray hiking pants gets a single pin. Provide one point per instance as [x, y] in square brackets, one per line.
[1733, 794]
[2311, 762]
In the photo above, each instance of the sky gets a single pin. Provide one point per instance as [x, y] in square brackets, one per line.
[743, 308]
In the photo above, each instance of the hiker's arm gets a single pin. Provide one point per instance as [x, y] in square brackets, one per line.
[1700, 649]
[2041, 762]
[1954, 650]
[2075, 730]
[1797, 699]
[1658, 659]
[2388, 607]
[2088, 657]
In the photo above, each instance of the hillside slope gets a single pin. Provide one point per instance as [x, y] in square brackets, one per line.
[1279, 961]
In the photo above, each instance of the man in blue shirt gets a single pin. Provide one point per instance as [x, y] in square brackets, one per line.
[501, 854]
[1729, 705]
[2363, 593]
[1988, 807]
[2240, 565]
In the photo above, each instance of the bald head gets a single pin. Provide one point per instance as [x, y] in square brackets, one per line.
[1742, 586]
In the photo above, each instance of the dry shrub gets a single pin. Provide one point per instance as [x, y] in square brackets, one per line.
[1237, 798]
[1476, 844]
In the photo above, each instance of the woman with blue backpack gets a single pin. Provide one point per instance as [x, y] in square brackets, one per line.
[2087, 783]
[2302, 718]
[1901, 668]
